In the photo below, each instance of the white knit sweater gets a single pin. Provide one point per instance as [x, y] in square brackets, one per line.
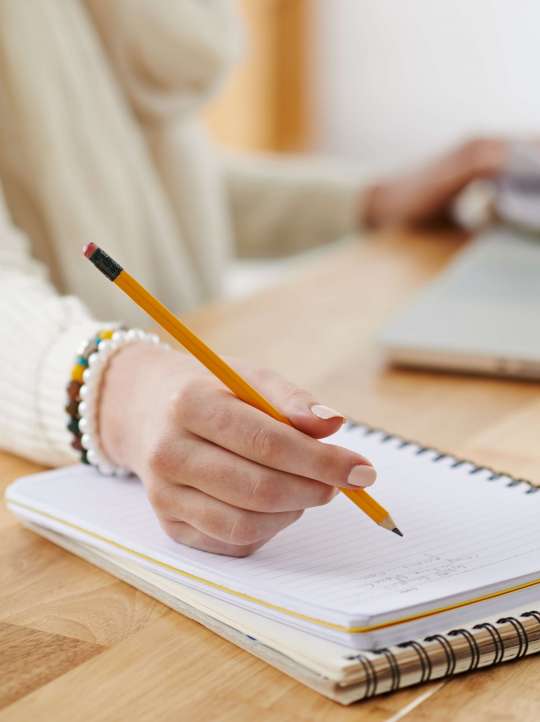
[99, 141]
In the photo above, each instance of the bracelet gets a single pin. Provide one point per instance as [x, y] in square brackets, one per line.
[83, 393]
[75, 385]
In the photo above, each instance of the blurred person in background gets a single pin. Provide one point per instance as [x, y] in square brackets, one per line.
[100, 140]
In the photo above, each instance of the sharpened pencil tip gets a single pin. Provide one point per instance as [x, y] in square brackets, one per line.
[396, 531]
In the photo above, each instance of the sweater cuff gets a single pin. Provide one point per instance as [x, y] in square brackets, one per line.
[54, 376]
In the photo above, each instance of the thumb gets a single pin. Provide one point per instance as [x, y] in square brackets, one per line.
[302, 409]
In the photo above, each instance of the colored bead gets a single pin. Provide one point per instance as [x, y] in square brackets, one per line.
[84, 458]
[77, 372]
[72, 407]
[73, 390]
[73, 426]
[76, 444]
[107, 334]
[81, 361]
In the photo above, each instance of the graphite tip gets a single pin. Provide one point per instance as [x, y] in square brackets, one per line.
[396, 531]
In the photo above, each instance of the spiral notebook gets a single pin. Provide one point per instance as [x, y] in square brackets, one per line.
[334, 583]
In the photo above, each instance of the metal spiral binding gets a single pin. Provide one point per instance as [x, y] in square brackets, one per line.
[423, 656]
[395, 670]
[448, 652]
[440, 455]
[473, 645]
[496, 638]
[425, 660]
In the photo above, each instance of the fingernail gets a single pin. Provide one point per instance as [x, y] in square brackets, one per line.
[325, 412]
[362, 475]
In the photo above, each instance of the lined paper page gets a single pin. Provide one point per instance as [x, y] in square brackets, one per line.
[462, 533]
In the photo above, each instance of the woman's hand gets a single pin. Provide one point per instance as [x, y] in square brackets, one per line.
[425, 195]
[221, 475]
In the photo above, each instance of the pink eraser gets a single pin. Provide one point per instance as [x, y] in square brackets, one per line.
[89, 250]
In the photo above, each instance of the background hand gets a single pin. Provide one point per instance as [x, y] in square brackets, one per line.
[425, 195]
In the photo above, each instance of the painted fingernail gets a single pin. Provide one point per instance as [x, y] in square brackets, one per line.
[362, 475]
[325, 412]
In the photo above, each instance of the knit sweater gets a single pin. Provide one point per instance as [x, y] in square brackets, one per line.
[99, 140]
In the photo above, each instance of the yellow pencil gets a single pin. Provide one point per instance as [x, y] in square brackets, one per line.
[216, 365]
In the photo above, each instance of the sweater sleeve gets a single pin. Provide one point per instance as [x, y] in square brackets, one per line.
[281, 203]
[169, 57]
[41, 332]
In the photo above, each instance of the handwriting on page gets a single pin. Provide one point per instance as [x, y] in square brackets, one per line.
[423, 569]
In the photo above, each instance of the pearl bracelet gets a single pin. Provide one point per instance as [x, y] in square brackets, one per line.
[88, 395]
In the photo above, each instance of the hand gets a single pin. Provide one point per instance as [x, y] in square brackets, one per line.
[424, 195]
[221, 475]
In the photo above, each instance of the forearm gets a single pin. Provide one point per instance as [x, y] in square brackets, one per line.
[286, 204]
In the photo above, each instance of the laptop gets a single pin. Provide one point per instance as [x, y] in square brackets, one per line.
[481, 315]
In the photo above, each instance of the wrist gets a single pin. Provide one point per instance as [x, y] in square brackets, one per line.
[136, 376]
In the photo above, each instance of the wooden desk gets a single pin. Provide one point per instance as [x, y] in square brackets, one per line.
[76, 644]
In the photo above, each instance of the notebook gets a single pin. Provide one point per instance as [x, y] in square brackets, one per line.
[334, 583]
[334, 670]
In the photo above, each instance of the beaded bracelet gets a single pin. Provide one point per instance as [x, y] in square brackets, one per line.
[83, 393]
[75, 384]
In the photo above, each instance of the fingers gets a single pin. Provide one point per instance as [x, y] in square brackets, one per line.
[228, 422]
[297, 404]
[184, 533]
[237, 481]
[483, 157]
[216, 519]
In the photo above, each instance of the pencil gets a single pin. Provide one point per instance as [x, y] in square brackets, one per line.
[215, 364]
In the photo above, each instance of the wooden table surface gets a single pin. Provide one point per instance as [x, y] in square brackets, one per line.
[76, 644]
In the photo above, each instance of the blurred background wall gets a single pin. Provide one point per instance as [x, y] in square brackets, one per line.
[264, 103]
[393, 81]
[383, 82]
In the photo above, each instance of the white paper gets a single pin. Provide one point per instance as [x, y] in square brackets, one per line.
[463, 534]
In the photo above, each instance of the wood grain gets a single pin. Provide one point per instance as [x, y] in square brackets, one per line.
[131, 658]
[502, 694]
[31, 658]
[180, 654]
